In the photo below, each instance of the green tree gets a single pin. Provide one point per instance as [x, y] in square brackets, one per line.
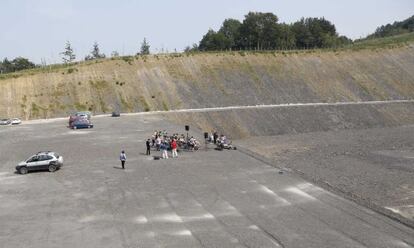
[6, 66]
[17, 64]
[193, 48]
[96, 54]
[145, 47]
[343, 40]
[286, 39]
[231, 31]
[68, 55]
[315, 33]
[396, 28]
[259, 31]
[21, 63]
[304, 38]
[323, 32]
[262, 31]
[213, 41]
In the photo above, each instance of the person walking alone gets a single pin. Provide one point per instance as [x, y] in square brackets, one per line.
[174, 148]
[122, 157]
[148, 143]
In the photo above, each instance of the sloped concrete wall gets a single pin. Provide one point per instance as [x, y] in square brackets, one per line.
[243, 123]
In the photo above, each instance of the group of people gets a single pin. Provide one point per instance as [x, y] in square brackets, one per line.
[163, 142]
[214, 137]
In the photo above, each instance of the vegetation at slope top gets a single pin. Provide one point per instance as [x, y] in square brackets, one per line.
[369, 44]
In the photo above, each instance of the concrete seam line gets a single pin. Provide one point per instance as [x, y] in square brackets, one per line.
[226, 108]
[325, 185]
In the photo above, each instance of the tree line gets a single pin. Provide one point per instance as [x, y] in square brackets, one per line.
[258, 31]
[68, 56]
[262, 31]
[17, 64]
[396, 28]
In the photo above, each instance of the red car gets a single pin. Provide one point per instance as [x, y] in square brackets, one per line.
[72, 118]
[79, 116]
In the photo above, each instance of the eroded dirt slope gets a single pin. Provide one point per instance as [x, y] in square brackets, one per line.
[211, 80]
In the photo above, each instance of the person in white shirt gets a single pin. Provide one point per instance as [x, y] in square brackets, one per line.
[122, 157]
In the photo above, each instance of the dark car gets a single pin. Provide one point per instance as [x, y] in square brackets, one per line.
[116, 114]
[81, 123]
[50, 161]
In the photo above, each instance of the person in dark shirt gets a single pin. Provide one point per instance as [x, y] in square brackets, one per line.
[148, 143]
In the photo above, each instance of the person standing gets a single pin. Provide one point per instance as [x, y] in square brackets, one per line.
[174, 148]
[122, 157]
[158, 143]
[215, 136]
[164, 150]
[148, 143]
[154, 136]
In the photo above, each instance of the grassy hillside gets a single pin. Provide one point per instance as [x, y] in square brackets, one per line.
[385, 42]
[210, 79]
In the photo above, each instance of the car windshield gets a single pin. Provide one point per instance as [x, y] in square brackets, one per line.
[83, 113]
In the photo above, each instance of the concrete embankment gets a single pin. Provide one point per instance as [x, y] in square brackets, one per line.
[291, 119]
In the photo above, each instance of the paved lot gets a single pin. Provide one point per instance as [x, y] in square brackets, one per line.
[372, 165]
[202, 199]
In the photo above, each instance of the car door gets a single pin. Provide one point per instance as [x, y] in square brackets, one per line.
[33, 163]
[43, 162]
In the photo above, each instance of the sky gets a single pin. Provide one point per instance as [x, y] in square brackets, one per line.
[39, 29]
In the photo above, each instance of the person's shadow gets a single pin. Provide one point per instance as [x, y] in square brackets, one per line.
[117, 167]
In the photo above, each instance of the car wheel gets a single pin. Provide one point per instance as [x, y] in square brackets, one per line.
[23, 170]
[52, 168]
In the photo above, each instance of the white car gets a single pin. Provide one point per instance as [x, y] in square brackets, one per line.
[5, 122]
[16, 121]
[50, 161]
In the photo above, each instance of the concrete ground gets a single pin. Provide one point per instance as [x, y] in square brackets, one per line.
[201, 199]
[370, 165]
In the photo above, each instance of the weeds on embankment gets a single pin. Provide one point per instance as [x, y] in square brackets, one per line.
[372, 44]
